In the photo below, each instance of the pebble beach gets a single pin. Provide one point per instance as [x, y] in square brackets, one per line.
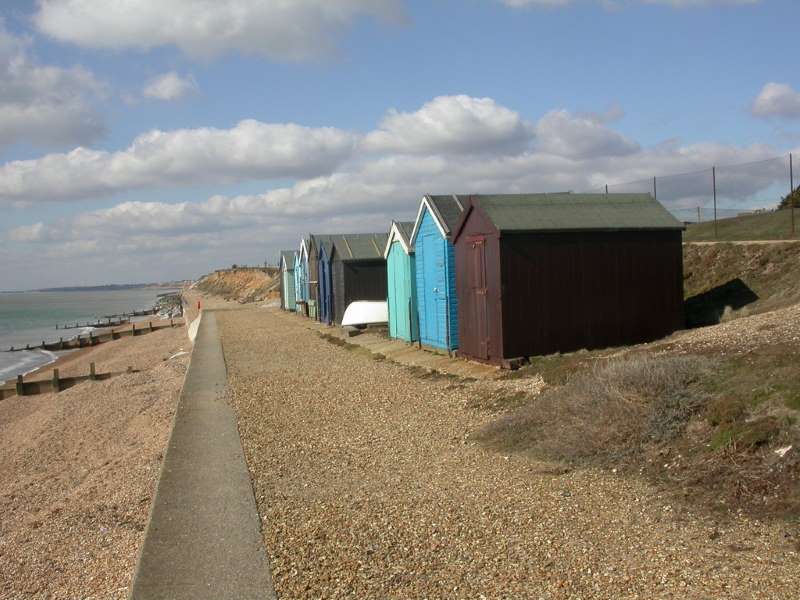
[369, 487]
[78, 470]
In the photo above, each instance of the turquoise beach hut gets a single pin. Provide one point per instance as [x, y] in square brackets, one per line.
[288, 300]
[301, 279]
[434, 262]
[401, 282]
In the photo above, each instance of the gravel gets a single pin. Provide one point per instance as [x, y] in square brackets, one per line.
[78, 470]
[369, 487]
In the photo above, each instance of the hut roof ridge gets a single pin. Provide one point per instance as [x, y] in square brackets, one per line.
[573, 212]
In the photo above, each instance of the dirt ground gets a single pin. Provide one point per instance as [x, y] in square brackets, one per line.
[78, 470]
[369, 487]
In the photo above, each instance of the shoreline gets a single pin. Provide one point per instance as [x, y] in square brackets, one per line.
[60, 359]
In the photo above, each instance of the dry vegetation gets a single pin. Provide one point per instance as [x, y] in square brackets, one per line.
[608, 412]
[707, 414]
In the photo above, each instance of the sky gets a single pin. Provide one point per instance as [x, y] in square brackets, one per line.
[145, 140]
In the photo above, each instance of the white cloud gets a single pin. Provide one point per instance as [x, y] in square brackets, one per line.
[453, 124]
[368, 194]
[777, 100]
[561, 133]
[362, 188]
[169, 86]
[278, 29]
[250, 150]
[45, 105]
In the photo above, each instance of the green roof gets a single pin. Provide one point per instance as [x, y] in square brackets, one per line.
[360, 246]
[575, 212]
[405, 228]
[449, 209]
[322, 240]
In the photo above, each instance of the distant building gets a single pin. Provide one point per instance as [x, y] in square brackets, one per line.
[544, 273]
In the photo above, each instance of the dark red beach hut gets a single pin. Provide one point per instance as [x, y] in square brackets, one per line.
[544, 273]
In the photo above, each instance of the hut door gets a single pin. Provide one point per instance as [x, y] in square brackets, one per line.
[477, 266]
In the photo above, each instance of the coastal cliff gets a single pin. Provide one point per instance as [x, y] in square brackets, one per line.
[241, 284]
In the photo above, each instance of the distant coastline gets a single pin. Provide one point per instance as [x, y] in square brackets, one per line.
[105, 288]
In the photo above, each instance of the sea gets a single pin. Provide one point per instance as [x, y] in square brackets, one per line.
[31, 317]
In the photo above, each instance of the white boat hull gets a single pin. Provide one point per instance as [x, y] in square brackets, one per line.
[365, 312]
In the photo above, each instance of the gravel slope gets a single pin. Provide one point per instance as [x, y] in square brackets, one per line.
[78, 470]
[368, 488]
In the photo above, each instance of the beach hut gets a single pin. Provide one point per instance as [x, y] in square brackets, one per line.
[315, 242]
[434, 263]
[401, 282]
[301, 279]
[545, 273]
[357, 269]
[325, 292]
[288, 299]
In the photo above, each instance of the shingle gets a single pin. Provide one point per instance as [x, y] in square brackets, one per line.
[571, 212]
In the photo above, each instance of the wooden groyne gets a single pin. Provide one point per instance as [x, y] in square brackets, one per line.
[109, 322]
[55, 383]
[92, 339]
[136, 313]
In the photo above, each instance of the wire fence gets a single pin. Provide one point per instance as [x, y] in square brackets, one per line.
[711, 197]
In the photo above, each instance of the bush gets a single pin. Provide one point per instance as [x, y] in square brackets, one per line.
[609, 411]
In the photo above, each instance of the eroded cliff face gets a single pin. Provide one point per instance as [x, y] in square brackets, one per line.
[241, 285]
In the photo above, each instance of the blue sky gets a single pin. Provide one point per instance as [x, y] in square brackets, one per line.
[488, 96]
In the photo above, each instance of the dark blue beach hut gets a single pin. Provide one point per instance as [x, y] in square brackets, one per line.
[434, 260]
[325, 283]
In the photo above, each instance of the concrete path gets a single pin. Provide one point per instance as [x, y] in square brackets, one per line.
[204, 538]
[403, 352]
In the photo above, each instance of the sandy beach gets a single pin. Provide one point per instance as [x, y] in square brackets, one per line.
[78, 469]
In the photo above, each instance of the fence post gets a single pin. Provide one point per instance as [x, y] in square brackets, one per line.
[20, 386]
[92, 373]
[655, 190]
[714, 184]
[791, 190]
[56, 381]
[606, 189]
[133, 329]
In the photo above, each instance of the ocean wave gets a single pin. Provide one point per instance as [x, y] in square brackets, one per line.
[24, 362]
